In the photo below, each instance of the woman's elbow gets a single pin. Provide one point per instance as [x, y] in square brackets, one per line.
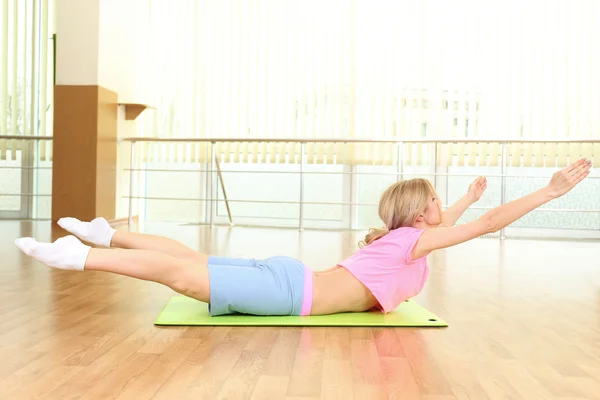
[489, 224]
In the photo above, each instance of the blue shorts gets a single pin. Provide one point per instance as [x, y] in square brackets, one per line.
[271, 286]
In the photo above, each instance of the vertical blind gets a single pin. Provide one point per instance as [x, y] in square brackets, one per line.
[340, 69]
[26, 73]
[387, 69]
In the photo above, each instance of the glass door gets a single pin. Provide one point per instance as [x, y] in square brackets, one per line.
[16, 188]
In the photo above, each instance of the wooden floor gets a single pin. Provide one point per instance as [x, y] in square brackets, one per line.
[524, 322]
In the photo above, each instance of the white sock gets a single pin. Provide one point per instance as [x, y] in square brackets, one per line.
[98, 231]
[65, 253]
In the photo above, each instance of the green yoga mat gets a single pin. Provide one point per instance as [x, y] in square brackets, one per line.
[184, 311]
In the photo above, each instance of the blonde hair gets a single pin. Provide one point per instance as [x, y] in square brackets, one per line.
[400, 206]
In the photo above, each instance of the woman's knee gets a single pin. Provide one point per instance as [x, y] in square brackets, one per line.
[191, 282]
[196, 259]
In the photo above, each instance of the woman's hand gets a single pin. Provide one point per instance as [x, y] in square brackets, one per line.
[477, 188]
[566, 179]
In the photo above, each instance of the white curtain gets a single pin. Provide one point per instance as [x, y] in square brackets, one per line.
[26, 73]
[375, 69]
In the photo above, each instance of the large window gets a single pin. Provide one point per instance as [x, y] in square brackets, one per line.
[358, 68]
[26, 82]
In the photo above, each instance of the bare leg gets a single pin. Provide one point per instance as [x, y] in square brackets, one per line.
[141, 241]
[69, 253]
[153, 266]
[99, 232]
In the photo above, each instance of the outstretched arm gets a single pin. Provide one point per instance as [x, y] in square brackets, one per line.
[494, 220]
[452, 214]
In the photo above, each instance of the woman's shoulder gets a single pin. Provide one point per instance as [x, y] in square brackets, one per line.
[407, 231]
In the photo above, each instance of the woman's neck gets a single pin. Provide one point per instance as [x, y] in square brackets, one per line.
[424, 225]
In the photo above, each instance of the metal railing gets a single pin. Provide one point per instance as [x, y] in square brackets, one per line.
[214, 172]
[27, 195]
[400, 173]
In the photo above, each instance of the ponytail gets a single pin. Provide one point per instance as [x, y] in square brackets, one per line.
[372, 236]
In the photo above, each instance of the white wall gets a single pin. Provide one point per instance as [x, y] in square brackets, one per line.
[103, 43]
[77, 42]
[123, 48]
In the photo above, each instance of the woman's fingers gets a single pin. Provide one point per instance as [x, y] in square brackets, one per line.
[576, 164]
[582, 177]
[580, 169]
[578, 173]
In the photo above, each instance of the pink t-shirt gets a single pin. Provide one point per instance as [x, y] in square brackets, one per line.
[386, 269]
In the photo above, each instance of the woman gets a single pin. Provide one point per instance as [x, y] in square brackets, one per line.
[389, 267]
